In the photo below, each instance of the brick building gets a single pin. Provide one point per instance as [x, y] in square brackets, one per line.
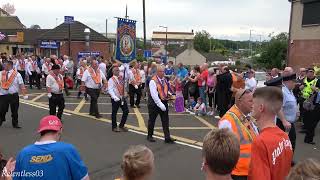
[304, 36]
[56, 41]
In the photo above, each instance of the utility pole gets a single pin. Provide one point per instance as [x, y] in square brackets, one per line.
[250, 45]
[144, 25]
[107, 28]
[127, 12]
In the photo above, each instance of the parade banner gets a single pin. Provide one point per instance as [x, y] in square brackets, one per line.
[126, 40]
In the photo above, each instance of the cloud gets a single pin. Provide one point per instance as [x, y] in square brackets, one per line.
[231, 18]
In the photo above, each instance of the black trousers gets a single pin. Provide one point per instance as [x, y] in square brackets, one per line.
[154, 111]
[125, 112]
[211, 99]
[12, 101]
[132, 92]
[57, 100]
[239, 177]
[23, 75]
[34, 79]
[311, 120]
[94, 95]
[292, 133]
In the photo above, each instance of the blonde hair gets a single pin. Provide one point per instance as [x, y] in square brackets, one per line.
[137, 162]
[308, 169]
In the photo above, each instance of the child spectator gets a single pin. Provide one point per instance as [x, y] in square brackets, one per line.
[179, 102]
[191, 104]
[308, 169]
[200, 108]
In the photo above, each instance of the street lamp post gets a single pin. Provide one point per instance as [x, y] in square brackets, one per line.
[87, 38]
[166, 47]
[250, 45]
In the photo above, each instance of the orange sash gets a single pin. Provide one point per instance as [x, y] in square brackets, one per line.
[22, 65]
[95, 75]
[81, 71]
[6, 83]
[59, 80]
[34, 65]
[162, 88]
[137, 76]
[119, 86]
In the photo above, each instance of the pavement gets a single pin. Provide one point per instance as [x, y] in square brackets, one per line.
[102, 149]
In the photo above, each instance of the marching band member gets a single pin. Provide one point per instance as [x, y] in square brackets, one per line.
[135, 85]
[116, 91]
[32, 70]
[55, 86]
[93, 80]
[158, 105]
[11, 82]
[80, 71]
[21, 67]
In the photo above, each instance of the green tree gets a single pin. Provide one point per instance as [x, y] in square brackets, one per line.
[202, 41]
[274, 54]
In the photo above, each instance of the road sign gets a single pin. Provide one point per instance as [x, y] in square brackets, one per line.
[49, 44]
[147, 53]
[68, 19]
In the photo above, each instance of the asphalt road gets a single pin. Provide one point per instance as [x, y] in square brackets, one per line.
[102, 149]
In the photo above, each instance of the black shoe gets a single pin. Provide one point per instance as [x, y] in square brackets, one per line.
[137, 106]
[98, 116]
[0, 123]
[92, 114]
[310, 142]
[123, 129]
[17, 127]
[116, 130]
[151, 139]
[170, 141]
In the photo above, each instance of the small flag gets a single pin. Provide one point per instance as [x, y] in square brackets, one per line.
[2, 36]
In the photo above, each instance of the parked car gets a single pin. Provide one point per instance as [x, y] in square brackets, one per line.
[261, 78]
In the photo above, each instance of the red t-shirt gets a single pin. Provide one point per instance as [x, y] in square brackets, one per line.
[203, 78]
[271, 155]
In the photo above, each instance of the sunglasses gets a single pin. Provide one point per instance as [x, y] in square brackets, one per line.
[245, 92]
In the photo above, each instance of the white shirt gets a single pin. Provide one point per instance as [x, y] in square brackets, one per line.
[15, 86]
[53, 84]
[45, 68]
[143, 76]
[154, 91]
[89, 82]
[251, 84]
[79, 76]
[18, 67]
[30, 67]
[200, 107]
[113, 89]
[131, 75]
[103, 68]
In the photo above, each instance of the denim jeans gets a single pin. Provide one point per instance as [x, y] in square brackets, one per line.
[203, 94]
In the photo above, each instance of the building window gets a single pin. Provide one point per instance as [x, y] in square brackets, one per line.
[311, 13]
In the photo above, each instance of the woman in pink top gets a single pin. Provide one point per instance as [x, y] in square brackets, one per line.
[211, 84]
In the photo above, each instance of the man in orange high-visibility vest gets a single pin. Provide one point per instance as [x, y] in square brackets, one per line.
[242, 125]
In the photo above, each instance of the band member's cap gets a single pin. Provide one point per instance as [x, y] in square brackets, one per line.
[290, 77]
[274, 82]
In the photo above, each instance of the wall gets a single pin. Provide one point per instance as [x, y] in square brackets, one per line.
[78, 46]
[190, 57]
[304, 53]
[299, 32]
[304, 47]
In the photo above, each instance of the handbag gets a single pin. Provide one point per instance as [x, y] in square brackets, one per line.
[308, 103]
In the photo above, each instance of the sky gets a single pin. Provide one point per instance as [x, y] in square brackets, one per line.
[223, 19]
